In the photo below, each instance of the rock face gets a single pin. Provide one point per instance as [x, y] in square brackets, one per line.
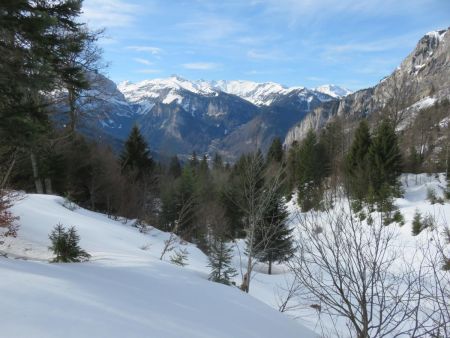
[425, 73]
[177, 116]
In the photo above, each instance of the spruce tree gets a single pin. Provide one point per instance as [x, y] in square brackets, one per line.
[135, 157]
[273, 239]
[311, 172]
[218, 162]
[175, 167]
[220, 262]
[65, 245]
[275, 152]
[357, 162]
[385, 162]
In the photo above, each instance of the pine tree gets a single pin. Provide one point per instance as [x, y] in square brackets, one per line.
[273, 239]
[385, 162]
[193, 161]
[275, 152]
[135, 157]
[220, 262]
[357, 162]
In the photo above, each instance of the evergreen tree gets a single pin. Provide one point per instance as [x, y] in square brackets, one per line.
[218, 162]
[220, 262]
[357, 162]
[135, 157]
[311, 172]
[275, 152]
[193, 161]
[273, 239]
[175, 167]
[65, 245]
[385, 162]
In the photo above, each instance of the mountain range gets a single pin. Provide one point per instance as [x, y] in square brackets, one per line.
[178, 116]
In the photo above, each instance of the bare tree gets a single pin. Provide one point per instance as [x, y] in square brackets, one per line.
[353, 271]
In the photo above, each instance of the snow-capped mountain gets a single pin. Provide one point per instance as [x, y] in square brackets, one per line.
[333, 90]
[168, 90]
[179, 116]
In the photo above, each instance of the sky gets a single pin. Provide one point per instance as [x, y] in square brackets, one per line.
[351, 43]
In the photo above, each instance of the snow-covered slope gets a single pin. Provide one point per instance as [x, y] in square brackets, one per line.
[124, 291]
[170, 90]
[333, 90]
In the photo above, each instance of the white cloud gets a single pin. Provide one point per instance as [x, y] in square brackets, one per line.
[109, 13]
[201, 65]
[148, 49]
[143, 61]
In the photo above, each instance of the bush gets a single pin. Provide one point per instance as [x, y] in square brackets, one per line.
[179, 257]
[431, 196]
[417, 223]
[65, 245]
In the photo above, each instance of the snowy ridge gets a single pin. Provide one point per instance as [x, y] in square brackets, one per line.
[169, 90]
[333, 90]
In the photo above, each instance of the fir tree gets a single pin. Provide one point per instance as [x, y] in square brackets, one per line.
[275, 152]
[218, 162]
[385, 162]
[136, 158]
[175, 167]
[273, 239]
[357, 162]
[65, 245]
[220, 262]
[311, 172]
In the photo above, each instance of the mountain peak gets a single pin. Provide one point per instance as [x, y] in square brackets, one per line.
[333, 90]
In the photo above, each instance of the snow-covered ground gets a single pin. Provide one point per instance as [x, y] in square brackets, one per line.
[125, 290]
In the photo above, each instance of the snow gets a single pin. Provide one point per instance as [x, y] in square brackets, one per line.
[333, 90]
[439, 35]
[411, 111]
[125, 290]
[167, 90]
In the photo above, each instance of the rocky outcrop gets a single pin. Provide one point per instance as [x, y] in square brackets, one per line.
[424, 73]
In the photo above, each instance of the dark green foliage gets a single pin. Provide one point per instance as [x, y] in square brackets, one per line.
[385, 161]
[175, 167]
[275, 152]
[417, 223]
[135, 158]
[311, 172]
[357, 162]
[39, 38]
[273, 239]
[65, 245]
[220, 257]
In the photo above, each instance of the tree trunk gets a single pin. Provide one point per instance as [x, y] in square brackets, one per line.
[37, 181]
[48, 186]
[270, 267]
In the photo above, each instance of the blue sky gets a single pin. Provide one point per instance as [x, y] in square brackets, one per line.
[352, 43]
